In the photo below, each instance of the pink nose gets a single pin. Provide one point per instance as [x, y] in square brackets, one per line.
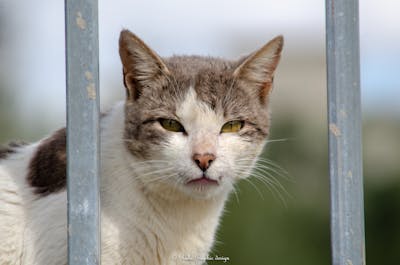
[203, 161]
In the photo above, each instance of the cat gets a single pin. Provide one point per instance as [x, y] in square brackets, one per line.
[189, 129]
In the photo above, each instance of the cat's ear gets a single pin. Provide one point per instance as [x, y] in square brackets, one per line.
[257, 70]
[141, 66]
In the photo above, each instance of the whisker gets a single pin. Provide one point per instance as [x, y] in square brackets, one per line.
[270, 186]
[236, 195]
[270, 162]
[275, 189]
[151, 161]
[156, 171]
[163, 177]
[270, 170]
[263, 173]
[278, 140]
[261, 160]
[272, 177]
[255, 187]
[235, 192]
[150, 166]
[178, 181]
[269, 165]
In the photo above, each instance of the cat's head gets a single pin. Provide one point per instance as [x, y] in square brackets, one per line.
[195, 125]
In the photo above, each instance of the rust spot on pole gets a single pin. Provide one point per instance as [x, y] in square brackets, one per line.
[334, 129]
[89, 76]
[80, 21]
[91, 91]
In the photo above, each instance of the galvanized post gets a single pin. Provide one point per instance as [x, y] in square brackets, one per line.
[344, 109]
[82, 131]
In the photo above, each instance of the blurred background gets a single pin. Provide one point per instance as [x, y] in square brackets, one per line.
[258, 226]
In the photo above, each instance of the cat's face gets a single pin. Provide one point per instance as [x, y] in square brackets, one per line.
[195, 125]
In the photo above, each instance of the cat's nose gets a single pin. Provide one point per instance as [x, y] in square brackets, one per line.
[203, 161]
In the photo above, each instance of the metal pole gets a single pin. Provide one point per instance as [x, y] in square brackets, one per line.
[345, 154]
[82, 131]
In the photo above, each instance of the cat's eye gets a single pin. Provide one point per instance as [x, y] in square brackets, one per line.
[171, 125]
[232, 126]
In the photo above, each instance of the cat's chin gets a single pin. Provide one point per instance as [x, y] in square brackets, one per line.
[203, 180]
[203, 192]
[204, 188]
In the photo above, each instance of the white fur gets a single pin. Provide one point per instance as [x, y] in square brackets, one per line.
[32, 230]
[148, 213]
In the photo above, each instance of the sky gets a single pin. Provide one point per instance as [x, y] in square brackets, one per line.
[32, 50]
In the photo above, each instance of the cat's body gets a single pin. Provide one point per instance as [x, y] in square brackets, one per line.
[189, 129]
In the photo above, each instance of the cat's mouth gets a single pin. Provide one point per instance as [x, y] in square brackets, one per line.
[203, 180]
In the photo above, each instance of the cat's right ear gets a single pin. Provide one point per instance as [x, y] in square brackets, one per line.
[257, 70]
[141, 66]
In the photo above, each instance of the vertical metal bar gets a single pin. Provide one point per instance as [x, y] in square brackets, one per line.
[82, 131]
[344, 109]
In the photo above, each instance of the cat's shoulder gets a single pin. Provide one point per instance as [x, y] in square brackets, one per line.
[43, 165]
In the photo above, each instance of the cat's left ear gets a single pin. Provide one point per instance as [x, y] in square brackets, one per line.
[258, 69]
[142, 67]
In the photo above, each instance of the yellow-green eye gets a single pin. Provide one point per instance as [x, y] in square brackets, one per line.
[171, 125]
[232, 126]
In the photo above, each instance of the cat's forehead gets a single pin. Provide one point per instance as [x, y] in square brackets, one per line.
[210, 78]
[205, 81]
[198, 113]
[189, 67]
